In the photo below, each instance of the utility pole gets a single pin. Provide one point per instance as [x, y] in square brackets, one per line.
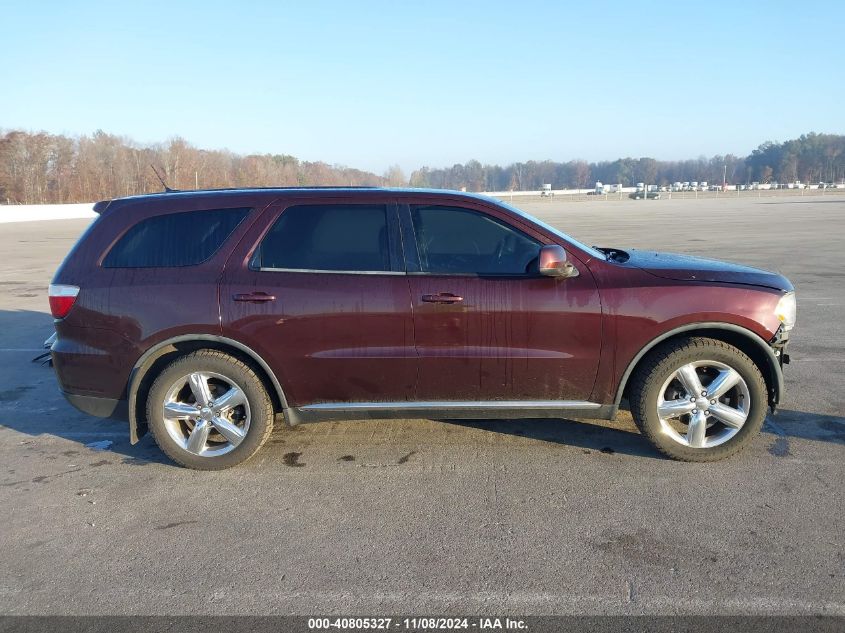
[724, 176]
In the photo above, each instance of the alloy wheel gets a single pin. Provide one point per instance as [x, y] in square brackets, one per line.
[703, 404]
[206, 413]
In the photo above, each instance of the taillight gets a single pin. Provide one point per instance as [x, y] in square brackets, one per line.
[62, 299]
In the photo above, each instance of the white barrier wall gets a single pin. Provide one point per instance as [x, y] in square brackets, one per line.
[35, 212]
[557, 192]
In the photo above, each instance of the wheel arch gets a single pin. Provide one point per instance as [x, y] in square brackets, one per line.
[161, 354]
[742, 338]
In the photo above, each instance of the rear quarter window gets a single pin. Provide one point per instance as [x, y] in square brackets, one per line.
[187, 238]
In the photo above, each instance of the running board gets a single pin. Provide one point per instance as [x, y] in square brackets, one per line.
[445, 409]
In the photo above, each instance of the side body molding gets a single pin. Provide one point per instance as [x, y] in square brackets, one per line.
[321, 412]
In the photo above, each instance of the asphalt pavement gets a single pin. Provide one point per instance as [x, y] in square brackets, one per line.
[424, 517]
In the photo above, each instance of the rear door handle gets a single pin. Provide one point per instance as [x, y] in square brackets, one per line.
[442, 297]
[254, 297]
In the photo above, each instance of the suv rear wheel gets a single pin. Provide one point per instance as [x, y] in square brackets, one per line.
[698, 399]
[209, 411]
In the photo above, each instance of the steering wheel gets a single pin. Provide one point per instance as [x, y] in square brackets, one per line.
[507, 244]
[500, 251]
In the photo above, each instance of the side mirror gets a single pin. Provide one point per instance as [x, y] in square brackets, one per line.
[553, 262]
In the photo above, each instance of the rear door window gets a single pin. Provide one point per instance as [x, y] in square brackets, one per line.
[176, 239]
[328, 237]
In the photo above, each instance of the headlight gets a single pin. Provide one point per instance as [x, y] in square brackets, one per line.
[786, 310]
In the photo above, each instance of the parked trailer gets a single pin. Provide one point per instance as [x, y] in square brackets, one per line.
[602, 189]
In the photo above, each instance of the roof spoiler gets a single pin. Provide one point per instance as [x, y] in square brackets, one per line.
[101, 206]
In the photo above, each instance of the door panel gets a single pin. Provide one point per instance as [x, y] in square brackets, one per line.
[330, 336]
[508, 336]
[509, 339]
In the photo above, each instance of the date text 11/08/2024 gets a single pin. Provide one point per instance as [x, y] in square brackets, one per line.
[415, 624]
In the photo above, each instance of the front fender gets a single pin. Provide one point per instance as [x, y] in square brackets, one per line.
[774, 380]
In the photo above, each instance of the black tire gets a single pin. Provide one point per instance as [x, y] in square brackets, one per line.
[662, 363]
[260, 405]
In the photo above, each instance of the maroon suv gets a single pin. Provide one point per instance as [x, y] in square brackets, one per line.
[203, 315]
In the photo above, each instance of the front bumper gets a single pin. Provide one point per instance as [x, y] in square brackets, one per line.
[777, 360]
[779, 344]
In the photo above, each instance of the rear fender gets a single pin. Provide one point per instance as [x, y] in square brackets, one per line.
[136, 414]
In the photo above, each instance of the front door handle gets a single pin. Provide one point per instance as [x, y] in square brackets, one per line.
[254, 297]
[442, 297]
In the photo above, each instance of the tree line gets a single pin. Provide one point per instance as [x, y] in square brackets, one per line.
[811, 158]
[40, 168]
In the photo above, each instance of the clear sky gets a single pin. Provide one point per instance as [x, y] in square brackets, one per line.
[368, 84]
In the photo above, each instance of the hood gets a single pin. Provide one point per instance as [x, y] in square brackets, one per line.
[689, 268]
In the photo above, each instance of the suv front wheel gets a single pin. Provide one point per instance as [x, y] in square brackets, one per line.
[209, 411]
[698, 399]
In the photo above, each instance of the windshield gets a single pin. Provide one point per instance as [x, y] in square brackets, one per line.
[589, 249]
